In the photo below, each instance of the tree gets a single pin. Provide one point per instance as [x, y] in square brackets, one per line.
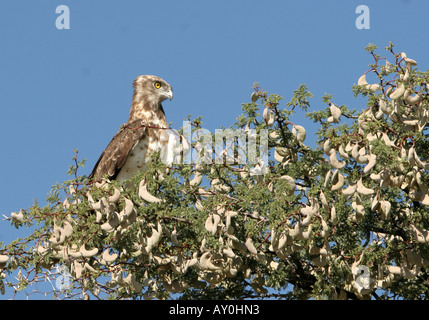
[344, 219]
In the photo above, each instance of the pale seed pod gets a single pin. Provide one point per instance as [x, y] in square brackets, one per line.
[250, 246]
[111, 223]
[337, 181]
[3, 260]
[362, 189]
[333, 216]
[78, 268]
[115, 197]
[131, 281]
[220, 187]
[334, 161]
[196, 180]
[385, 69]
[327, 176]
[324, 201]
[335, 112]
[283, 152]
[385, 209]
[153, 240]
[362, 80]
[405, 77]
[299, 132]
[412, 100]
[421, 235]
[109, 258]
[17, 217]
[290, 184]
[358, 208]
[88, 253]
[254, 97]
[199, 206]
[398, 93]
[414, 159]
[278, 157]
[305, 235]
[374, 87]
[327, 148]
[371, 163]
[350, 190]
[342, 152]
[268, 116]
[383, 107]
[349, 147]
[145, 195]
[212, 223]
[410, 61]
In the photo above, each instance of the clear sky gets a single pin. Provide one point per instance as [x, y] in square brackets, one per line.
[62, 89]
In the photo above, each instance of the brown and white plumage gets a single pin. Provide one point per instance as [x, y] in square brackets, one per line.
[130, 149]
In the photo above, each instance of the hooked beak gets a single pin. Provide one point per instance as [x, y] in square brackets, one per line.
[169, 94]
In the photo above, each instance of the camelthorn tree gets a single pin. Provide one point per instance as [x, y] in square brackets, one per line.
[346, 219]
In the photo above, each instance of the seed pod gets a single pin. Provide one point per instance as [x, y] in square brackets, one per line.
[412, 100]
[109, 258]
[362, 80]
[327, 148]
[350, 190]
[383, 107]
[131, 281]
[385, 209]
[372, 162]
[196, 180]
[299, 132]
[333, 216]
[212, 223]
[268, 116]
[334, 161]
[327, 176]
[250, 246]
[115, 197]
[373, 87]
[362, 189]
[342, 152]
[337, 181]
[324, 201]
[153, 240]
[410, 61]
[398, 93]
[335, 112]
[421, 235]
[111, 223]
[3, 260]
[414, 159]
[88, 253]
[384, 70]
[17, 217]
[358, 208]
[254, 97]
[145, 195]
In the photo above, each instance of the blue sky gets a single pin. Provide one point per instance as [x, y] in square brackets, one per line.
[66, 89]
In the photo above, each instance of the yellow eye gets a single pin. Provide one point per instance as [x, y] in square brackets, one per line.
[157, 85]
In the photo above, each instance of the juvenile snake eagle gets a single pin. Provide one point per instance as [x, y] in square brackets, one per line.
[130, 149]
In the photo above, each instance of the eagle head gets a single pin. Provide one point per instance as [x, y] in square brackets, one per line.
[153, 89]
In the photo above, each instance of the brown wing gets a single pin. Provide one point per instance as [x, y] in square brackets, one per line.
[114, 156]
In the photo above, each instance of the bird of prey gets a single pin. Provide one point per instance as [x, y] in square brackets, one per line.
[144, 133]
